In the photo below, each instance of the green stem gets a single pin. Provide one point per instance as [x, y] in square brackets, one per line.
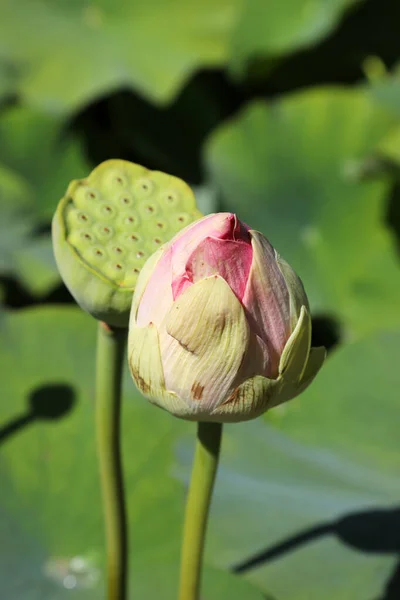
[197, 508]
[109, 364]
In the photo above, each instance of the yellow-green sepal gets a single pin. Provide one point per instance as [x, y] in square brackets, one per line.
[206, 339]
[146, 368]
[298, 366]
[294, 357]
[315, 361]
[248, 400]
[288, 390]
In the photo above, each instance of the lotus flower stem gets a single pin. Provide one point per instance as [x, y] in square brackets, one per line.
[197, 508]
[110, 359]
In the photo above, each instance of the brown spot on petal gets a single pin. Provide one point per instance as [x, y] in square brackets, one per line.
[197, 391]
[142, 385]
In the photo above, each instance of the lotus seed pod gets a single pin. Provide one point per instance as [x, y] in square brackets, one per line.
[107, 225]
[220, 328]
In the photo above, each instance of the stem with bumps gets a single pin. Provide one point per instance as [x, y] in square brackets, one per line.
[109, 364]
[197, 508]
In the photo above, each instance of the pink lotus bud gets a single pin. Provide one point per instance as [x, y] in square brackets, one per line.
[220, 328]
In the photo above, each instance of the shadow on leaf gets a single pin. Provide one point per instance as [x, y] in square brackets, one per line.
[45, 403]
[373, 531]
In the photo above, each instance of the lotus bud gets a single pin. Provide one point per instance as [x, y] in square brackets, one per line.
[220, 327]
[106, 227]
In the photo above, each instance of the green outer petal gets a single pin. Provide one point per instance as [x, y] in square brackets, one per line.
[95, 294]
[259, 394]
[289, 390]
[294, 357]
[146, 368]
[315, 361]
[297, 294]
[248, 401]
[204, 343]
[255, 396]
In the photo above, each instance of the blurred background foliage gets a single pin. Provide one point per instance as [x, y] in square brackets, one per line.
[289, 114]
